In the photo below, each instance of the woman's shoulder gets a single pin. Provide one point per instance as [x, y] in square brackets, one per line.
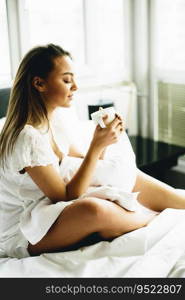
[31, 132]
[31, 149]
[30, 138]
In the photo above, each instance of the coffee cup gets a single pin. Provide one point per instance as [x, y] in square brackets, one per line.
[97, 116]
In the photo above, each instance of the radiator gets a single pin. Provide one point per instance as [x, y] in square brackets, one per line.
[171, 113]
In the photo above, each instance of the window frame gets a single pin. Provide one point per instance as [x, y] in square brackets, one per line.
[156, 74]
[18, 38]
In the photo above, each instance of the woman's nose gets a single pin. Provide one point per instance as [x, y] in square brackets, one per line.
[74, 86]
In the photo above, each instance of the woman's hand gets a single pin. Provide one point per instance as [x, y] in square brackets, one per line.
[104, 137]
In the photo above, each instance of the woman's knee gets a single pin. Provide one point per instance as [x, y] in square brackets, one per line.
[101, 211]
[91, 206]
[96, 213]
[88, 210]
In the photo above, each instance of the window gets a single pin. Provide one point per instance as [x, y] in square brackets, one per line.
[169, 38]
[59, 22]
[4, 49]
[105, 39]
[93, 31]
[168, 75]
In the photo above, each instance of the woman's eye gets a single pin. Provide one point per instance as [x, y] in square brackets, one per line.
[67, 81]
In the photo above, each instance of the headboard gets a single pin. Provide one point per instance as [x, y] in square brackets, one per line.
[4, 98]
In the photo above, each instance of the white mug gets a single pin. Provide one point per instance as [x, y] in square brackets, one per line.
[98, 115]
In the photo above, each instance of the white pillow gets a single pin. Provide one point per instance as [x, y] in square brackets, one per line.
[78, 131]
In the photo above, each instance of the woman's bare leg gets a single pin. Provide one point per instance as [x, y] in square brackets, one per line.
[75, 222]
[84, 217]
[156, 194]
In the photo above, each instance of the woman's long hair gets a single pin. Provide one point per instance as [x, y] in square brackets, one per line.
[25, 102]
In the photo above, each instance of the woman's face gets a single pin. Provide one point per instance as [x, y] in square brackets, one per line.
[60, 84]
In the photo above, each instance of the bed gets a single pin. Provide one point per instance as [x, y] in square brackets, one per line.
[157, 250]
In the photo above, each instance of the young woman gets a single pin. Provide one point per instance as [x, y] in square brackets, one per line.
[39, 212]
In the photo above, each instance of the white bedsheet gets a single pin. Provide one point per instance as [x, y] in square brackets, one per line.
[157, 250]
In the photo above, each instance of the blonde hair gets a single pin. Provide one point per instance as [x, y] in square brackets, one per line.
[25, 102]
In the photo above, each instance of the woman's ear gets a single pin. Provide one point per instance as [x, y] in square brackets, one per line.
[39, 84]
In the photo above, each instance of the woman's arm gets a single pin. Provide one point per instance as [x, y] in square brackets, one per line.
[49, 181]
[102, 154]
[74, 152]
[101, 139]
[81, 180]
[52, 184]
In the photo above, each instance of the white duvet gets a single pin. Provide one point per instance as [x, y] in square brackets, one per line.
[157, 250]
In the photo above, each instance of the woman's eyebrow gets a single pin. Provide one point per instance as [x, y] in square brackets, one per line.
[68, 73]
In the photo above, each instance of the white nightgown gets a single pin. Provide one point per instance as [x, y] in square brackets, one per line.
[26, 214]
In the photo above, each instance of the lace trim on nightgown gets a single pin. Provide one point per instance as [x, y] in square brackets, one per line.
[31, 149]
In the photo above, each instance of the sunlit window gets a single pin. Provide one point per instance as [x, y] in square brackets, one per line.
[107, 38]
[57, 21]
[4, 49]
[170, 33]
[92, 30]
